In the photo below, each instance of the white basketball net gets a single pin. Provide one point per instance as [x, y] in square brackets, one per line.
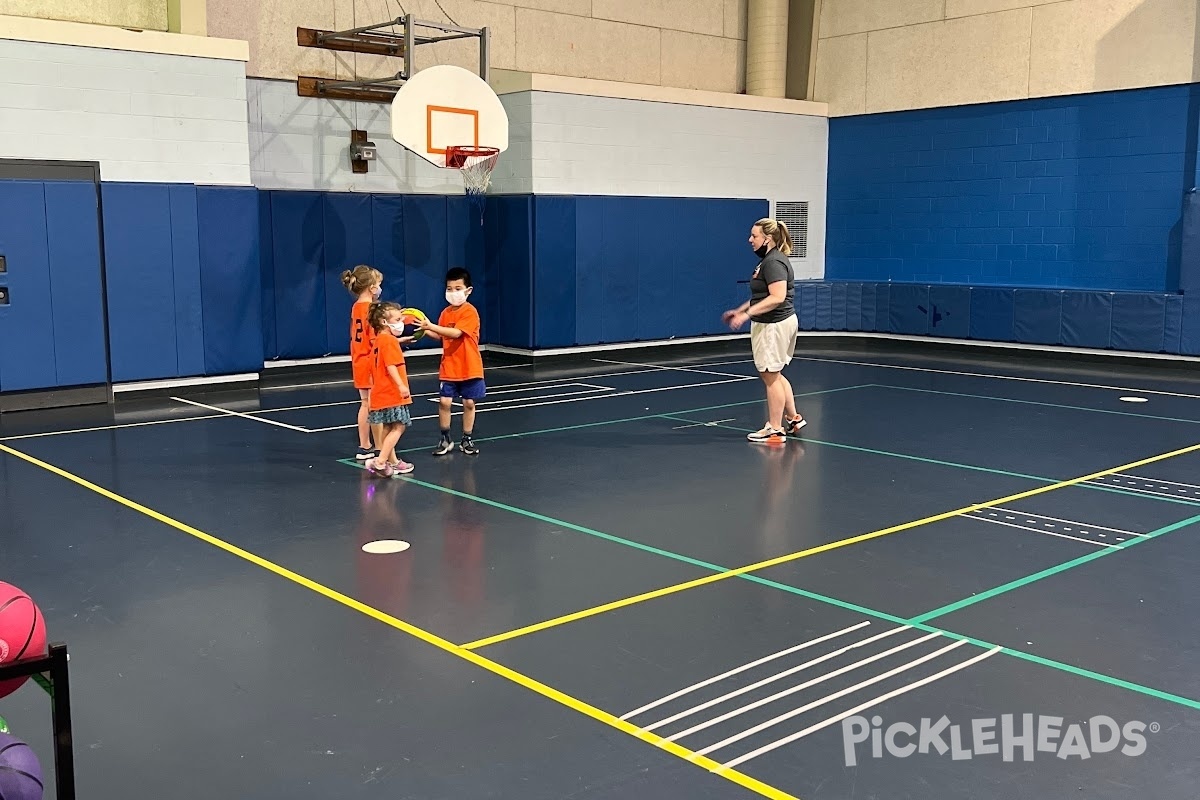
[477, 171]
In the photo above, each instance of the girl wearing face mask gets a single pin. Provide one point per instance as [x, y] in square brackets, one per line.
[461, 371]
[390, 396]
[774, 327]
[366, 285]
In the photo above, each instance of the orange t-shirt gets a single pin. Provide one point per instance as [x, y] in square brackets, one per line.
[461, 360]
[384, 393]
[362, 337]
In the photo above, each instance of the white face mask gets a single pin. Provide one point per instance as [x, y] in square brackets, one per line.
[397, 328]
[456, 297]
[376, 291]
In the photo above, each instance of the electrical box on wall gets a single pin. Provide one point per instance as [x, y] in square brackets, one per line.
[3, 265]
[3, 295]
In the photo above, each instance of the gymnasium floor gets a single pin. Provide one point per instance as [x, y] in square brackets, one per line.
[948, 539]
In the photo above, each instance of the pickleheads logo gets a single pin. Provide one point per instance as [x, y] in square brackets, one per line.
[1005, 737]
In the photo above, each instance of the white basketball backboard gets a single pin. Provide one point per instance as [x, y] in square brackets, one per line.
[444, 106]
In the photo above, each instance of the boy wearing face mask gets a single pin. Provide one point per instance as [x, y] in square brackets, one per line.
[461, 371]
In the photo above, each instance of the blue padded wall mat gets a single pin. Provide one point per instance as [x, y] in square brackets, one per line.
[76, 290]
[189, 307]
[228, 219]
[29, 316]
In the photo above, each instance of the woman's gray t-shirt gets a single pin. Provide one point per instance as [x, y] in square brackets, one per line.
[775, 266]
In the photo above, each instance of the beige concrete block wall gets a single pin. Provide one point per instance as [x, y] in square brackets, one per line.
[148, 15]
[875, 56]
[690, 44]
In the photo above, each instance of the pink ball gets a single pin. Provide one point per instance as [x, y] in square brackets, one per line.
[22, 632]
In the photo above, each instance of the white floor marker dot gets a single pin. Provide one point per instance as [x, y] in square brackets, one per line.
[1133, 400]
[385, 546]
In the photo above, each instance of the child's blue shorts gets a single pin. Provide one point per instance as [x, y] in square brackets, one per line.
[473, 389]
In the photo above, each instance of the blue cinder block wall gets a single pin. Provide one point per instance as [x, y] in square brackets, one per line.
[1079, 192]
[1054, 221]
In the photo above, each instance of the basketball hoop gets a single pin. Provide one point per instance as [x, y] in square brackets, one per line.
[476, 165]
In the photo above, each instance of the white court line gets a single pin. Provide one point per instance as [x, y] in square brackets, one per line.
[296, 428]
[340, 381]
[1158, 480]
[857, 709]
[558, 402]
[664, 366]
[108, 427]
[502, 389]
[743, 668]
[1077, 523]
[828, 698]
[982, 518]
[482, 404]
[712, 424]
[786, 692]
[999, 377]
[1179, 496]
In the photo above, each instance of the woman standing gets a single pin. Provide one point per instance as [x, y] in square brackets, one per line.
[774, 327]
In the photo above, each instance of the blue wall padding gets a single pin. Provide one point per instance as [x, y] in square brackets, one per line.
[658, 316]
[266, 263]
[425, 252]
[992, 314]
[1037, 316]
[298, 243]
[838, 302]
[867, 309]
[387, 247]
[27, 341]
[591, 264]
[883, 308]
[349, 241]
[1130, 321]
[465, 248]
[806, 306]
[950, 311]
[227, 218]
[909, 309]
[1138, 322]
[554, 256]
[854, 299]
[138, 257]
[824, 320]
[1189, 337]
[76, 290]
[1173, 326]
[508, 231]
[1086, 319]
[185, 255]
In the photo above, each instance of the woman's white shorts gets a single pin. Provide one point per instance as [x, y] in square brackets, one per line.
[774, 343]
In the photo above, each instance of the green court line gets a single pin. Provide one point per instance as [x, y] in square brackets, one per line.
[870, 612]
[1037, 403]
[583, 425]
[1046, 573]
[972, 467]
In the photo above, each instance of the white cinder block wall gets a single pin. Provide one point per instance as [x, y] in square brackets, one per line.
[587, 145]
[143, 116]
[561, 143]
[304, 143]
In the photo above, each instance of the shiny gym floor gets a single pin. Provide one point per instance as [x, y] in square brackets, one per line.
[621, 597]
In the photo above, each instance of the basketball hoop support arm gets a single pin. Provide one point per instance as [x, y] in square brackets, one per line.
[367, 40]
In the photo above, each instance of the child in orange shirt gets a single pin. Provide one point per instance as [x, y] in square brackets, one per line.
[461, 371]
[390, 396]
[366, 285]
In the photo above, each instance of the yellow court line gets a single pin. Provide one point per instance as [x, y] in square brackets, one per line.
[733, 573]
[480, 661]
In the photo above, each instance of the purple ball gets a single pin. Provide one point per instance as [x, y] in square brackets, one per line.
[20, 771]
